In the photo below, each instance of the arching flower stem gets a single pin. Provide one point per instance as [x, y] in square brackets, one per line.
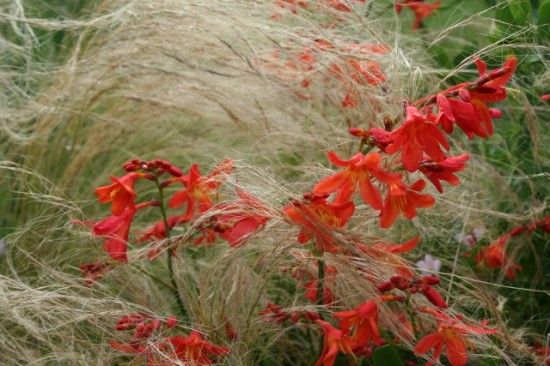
[169, 257]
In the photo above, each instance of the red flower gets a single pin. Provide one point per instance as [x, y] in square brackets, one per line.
[242, 217]
[359, 171]
[471, 112]
[341, 5]
[451, 334]
[334, 341]
[198, 191]
[494, 256]
[403, 199]
[364, 321]
[158, 230]
[116, 229]
[93, 272]
[375, 136]
[545, 98]
[121, 193]
[195, 349]
[443, 170]
[416, 136]
[420, 8]
[318, 219]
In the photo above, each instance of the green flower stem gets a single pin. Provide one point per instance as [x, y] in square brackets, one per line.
[169, 257]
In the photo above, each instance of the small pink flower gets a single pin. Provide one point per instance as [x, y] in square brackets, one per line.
[429, 264]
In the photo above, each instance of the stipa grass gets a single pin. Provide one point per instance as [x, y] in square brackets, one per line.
[201, 81]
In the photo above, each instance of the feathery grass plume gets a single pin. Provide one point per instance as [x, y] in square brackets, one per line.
[200, 81]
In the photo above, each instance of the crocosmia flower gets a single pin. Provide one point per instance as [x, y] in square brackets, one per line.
[121, 193]
[470, 111]
[198, 189]
[318, 218]
[334, 342]
[359, 171]
[403, 199]
[194, 349]
[361, 324]
[420, 8]
[444, 170]
[116, 230]
[416, 136]
[451, 334]
[494, 256]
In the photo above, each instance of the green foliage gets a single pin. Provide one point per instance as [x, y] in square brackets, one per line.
[387, 356]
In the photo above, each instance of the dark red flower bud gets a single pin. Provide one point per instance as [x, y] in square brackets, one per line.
[386, 286]
[396, 279]
[311, 315]
[517, 230]
[171, 321]
[430, 280]
[434, 296]
[132, 165]
[404, 284]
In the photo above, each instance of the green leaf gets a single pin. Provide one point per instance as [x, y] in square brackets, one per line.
[518, 12]
[544, 13]
[387, 356]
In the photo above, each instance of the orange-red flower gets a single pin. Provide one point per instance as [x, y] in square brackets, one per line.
[195, 349]
[494, 256]
[416, 136]
[403, 199]
[374, 136]
[158, 230]
[198, 189]
[452, 335]
[334, 341]
[359, 171]
[361, 325]
[421, 10]
[116, 229]
[470, 111]
[93, 272]
[242, 217]
[121, 193]
[318, 219]
[444, 170]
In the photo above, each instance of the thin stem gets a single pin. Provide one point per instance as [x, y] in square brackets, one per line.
[169, 256]
[320, 285]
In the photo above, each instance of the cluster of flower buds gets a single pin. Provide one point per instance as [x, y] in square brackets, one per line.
[423, 285]
[144, 326]
[153, 166]
[274, 313]
[93, 272]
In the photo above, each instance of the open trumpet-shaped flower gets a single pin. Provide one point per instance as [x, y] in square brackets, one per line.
[359, 171]
[416, 136]
[116, 229]
[421, 10]
[451, 334]
[444, 170]
[470, 111]
[334, 342]
[198, 189]
[242, 217]
[318, 219]
[195, 349]
[361, 324]
[494, 256]
[121, 193]
[405, 200]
